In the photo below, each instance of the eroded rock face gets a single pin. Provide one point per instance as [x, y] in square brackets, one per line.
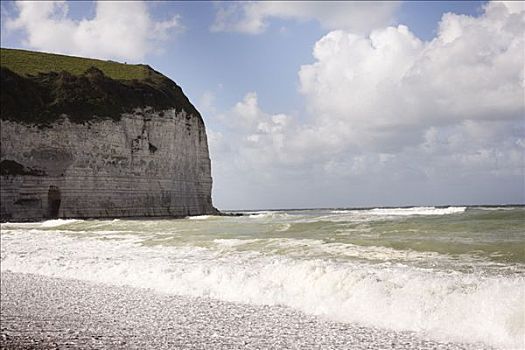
[147, 163]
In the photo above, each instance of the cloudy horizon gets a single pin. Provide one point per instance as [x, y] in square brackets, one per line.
[339, 104]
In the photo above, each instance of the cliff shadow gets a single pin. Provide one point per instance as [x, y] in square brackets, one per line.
[53, 202]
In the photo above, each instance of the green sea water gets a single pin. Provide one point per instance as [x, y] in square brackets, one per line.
[452, 273]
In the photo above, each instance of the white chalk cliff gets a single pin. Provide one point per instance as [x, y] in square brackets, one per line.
[145, 162]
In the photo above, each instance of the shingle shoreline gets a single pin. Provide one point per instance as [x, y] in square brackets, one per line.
[40, 312]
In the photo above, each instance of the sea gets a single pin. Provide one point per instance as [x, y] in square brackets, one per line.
[447, 273]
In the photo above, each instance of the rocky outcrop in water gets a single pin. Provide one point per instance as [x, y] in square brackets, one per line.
[89, 146]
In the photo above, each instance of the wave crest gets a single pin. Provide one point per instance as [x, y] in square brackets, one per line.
[442, 305]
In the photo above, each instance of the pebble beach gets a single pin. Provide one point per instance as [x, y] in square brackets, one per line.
[50, 313]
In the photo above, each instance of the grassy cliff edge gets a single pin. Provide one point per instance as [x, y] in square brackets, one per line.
[38, 88]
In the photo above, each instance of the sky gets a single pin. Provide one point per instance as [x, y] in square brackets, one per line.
[324, 104]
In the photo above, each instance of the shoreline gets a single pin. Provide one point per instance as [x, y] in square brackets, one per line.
[131, 218]
[247, 212]
[41, 312]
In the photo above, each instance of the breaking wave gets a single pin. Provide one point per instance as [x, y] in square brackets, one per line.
[440, 304]
[417, 211]
[404, 211]
[267, 215]
[200, 217]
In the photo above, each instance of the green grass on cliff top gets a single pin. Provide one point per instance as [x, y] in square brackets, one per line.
[27, 63]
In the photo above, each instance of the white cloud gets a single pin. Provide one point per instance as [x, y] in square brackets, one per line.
[257, 135]
[252, 17]
[389, 85]
[120, 30]
[391, 120]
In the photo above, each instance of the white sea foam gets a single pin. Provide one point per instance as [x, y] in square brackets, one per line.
[402, 211]
[417, 211]
[268, 215]
[367, 215]
[496, 208]
[41, 224]
[442, 305]
[58, 222]
[315, 247]
[234, 242]
[199, 217]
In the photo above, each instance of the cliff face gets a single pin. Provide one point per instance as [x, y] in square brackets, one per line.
[89, 146]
